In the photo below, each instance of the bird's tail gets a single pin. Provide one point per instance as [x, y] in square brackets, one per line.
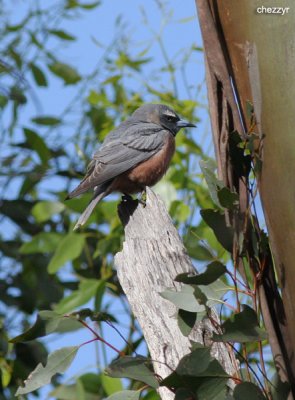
[98, 196]
[80, 189]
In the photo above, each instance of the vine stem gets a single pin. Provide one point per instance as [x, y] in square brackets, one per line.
[260, 350]
[97, 337]
[250, 368]
[120, 334]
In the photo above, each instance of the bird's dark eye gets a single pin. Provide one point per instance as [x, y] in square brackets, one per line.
[170, 118]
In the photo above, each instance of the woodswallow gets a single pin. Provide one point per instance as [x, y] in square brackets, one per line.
[134, 155]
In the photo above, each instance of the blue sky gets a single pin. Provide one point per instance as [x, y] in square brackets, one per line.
[99, 27]
[179, 30]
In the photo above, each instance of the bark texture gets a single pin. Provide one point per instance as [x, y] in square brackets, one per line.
[251, 58]
[153, 254]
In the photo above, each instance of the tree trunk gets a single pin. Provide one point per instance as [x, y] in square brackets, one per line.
[153, 254]
[254, 54]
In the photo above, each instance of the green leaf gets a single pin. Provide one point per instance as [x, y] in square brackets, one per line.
[185, 20]
[216, 220]
[175, 381]
[214, 292]
[246, 391]
[91, 382]
[62, 34]
[228, 199]
[99, 120]
[125, 395]
[184, 299]
[195, 249]
[6, 373]
[86, 387]
[14, 28]
[212, 389]
[65, 392]
[279, 390]
[80, 390]
[199, 294]
[257, 165]
[179, 210]
[152, 395]
[111, 385]
[241, 327]
[64, 71]
[71, 4]
[184, 394]
[97, 316]
[37, 144]
[192, 146]
[249, 109]
[57, 363]
[214, 271]
[186, 321]
[125, 61]
[38, 75]
[94, 98]
[167, 191]
[112, 79]
[44, 242]
[46, 120]
[90, 6]
[87, 289]
[47, 322]
[200, 363]
[18, 211]
[44, 210]
[214, 184]
[30, 182]
[35, 41]
[241, 163]
[69, 248]
[102, 316]
[195, 370]
[3, 101]
[17, 95]
[133, 368]
[99, 295]
[15, 55]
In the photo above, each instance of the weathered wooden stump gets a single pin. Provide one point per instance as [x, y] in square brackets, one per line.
[152, 255]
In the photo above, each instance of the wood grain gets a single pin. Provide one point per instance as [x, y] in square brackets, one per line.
[152, 255]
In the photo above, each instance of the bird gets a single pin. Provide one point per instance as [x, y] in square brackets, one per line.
[134, 155]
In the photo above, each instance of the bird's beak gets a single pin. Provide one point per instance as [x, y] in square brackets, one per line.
[185, 124]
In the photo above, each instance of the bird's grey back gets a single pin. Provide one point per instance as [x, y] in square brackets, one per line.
[131, 143]
[126, 147]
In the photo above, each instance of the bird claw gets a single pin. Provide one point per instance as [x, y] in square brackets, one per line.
[126, 197]
[142, 199]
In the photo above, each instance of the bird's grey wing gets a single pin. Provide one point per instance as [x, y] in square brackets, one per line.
[137, 143]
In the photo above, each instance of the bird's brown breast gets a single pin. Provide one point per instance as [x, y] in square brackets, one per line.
[149, 172]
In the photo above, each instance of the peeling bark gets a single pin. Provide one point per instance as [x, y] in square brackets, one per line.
[232, 45]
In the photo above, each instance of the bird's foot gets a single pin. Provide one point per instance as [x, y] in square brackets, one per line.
[126, 197]
[142, 198]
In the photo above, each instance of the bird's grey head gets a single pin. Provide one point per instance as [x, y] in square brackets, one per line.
[162, 115]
